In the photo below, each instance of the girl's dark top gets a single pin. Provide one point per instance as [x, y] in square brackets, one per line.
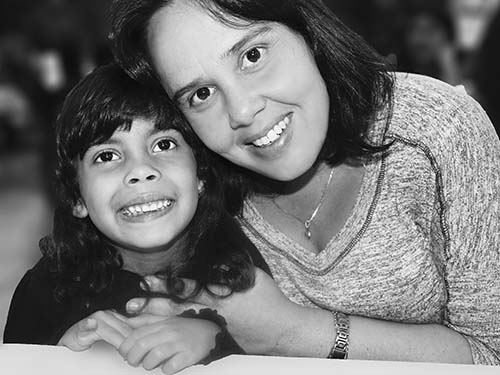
[35, 317]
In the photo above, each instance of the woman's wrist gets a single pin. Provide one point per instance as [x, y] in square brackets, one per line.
[340, 347]
[311, 333]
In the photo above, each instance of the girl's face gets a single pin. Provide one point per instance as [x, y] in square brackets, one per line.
[253, 94]
[140, 187]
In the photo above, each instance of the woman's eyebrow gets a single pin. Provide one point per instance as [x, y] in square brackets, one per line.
[179, 93]
[235, 49]
[238, 46]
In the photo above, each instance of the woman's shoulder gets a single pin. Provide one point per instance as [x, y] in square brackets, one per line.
[426, 110]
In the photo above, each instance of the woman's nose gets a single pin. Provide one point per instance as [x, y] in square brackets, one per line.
[243, 106]
[141, 171]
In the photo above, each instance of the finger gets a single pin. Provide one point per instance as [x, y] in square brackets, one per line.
[89, 324]
[135, 305]
[118, 316]
[143, 345]
[177, 363]
[159, 285]
[136, 336]
[114, 320]
[143, 319]
[156, 306]
[85, 339]
[84, 336]
[155, 284]
[111, 329]
[157, 356]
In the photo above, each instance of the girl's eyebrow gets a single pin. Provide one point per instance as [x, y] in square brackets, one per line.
[235, 49]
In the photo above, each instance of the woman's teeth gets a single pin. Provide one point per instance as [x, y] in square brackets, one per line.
[273, 134]
[140, 209]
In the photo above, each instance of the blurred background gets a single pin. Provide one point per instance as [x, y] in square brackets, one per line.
[46, 46]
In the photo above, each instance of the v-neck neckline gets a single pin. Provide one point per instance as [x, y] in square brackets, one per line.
[341, 243]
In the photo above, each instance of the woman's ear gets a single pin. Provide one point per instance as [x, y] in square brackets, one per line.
[80, 210]
[201, 186]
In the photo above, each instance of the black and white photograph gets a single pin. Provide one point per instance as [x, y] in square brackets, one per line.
[241, 187]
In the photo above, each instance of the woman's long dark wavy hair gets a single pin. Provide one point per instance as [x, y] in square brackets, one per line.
[357, 78]
[82, 260]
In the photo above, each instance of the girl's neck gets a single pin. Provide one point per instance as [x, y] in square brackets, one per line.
[149, 262]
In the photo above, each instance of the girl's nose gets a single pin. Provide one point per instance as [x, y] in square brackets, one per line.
[243, 105]
[141, 171]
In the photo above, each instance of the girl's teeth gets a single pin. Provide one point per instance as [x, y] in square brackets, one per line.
[277, 129]
[148, 207]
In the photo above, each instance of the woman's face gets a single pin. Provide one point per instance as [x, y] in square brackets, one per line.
[253, 94]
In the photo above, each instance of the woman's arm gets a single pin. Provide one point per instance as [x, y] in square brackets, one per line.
[263, 321]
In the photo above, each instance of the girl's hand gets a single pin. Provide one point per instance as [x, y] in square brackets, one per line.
[261, 320]
[100, 326]
[173, 343]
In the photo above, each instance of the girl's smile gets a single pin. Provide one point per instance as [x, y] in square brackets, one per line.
[147, 207]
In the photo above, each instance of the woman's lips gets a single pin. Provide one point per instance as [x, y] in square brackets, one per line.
[274, 133]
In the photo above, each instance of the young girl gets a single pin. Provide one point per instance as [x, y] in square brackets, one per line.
[133, 202]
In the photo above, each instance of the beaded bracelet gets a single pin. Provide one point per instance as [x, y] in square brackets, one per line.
[340, 348]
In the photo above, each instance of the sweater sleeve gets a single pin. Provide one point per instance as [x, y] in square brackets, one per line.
[467, 162]
[26, 321]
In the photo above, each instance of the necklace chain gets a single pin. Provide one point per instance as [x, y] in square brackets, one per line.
[307, 224]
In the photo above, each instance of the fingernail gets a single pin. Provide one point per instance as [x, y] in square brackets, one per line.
[145, 285]
[133, 306]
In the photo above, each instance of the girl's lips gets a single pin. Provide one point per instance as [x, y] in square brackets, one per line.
[144, 198]
[141, 209]
[147, 212]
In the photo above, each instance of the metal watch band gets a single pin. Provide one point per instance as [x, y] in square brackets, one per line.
[340, 348]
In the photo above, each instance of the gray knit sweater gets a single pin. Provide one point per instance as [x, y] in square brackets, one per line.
[423, 241]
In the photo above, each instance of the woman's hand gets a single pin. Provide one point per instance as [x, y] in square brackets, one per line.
[100, 326]
[261, 320]
[172, 343]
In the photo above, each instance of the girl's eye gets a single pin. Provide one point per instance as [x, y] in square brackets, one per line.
[106, 156]
[201, 95]
[164, 145]
[252, 57]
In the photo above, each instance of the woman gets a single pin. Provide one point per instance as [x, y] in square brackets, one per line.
[373, 198]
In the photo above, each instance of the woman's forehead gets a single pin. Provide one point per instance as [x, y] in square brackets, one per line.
[183, 39]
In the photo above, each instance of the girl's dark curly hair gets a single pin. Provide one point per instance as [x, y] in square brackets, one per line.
[82, 260]
[357, 78]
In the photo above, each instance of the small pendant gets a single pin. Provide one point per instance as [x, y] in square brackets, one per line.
[308, 234]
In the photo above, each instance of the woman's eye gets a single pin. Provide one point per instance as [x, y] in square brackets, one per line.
[252, 57]
[106, 156]
[164, 145]
[201, 95]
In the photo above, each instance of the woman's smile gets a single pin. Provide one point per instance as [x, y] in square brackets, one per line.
[273, 134]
